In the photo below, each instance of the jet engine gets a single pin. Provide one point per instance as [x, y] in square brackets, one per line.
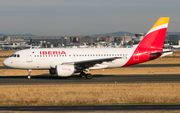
[65, 70]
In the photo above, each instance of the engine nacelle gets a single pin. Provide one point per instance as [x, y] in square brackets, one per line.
[65, 70]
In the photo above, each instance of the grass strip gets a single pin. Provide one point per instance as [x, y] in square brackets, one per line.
[90, 94]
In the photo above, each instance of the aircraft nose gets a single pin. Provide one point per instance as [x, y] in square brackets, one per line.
[5, 63]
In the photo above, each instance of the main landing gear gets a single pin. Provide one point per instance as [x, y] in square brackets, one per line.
[29, 74]
[87, 75]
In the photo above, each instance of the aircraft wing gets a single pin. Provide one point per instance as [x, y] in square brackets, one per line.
[90, 63]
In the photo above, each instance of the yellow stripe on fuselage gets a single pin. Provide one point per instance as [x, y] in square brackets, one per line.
[161, 21]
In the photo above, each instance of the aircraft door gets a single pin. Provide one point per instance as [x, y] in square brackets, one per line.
[29, 56]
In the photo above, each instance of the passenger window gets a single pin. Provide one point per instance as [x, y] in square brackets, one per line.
[37, 55]
[18, 55]
[14, 55]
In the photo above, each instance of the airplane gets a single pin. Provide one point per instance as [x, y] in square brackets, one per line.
[30, 46]
[64, 62]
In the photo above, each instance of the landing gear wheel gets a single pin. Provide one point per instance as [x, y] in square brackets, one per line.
[88, 76]
[82, 74]
[29, 74]
[29, 77]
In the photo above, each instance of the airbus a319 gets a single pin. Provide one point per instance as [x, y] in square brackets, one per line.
[65, 62]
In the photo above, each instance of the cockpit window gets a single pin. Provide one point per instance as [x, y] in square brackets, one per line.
[18, 55]
[15, 55]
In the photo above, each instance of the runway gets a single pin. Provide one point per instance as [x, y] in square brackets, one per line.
[91, 108]
[97, 79]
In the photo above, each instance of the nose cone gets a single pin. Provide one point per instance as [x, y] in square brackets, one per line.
[6, 63]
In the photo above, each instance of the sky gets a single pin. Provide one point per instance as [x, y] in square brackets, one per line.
[85, 17]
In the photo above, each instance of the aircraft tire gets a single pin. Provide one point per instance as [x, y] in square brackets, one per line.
[29, 77]
[88, 76]
[82, 74]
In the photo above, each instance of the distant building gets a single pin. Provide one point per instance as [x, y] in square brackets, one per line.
[139, 36]
[109, 39]
[174, 37]
[87, 39]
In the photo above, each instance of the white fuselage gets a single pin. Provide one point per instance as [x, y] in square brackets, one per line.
[49, 58]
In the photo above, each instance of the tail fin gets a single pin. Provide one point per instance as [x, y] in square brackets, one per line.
[156, 35]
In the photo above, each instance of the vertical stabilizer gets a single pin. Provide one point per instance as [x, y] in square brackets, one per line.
[156, 35]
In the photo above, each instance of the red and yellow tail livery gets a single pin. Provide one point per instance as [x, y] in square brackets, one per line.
[156, 35]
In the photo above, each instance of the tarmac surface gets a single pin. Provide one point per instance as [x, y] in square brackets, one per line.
[97, 79]
[84, 108]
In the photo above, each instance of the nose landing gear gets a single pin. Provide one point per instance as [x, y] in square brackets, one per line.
[29, 74]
